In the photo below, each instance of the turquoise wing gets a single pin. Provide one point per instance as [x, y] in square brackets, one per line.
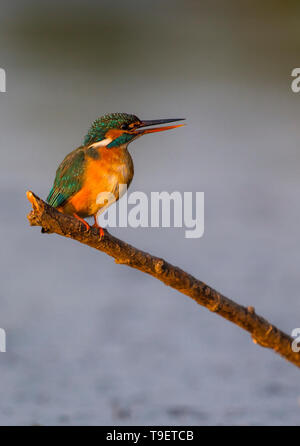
[69, 178]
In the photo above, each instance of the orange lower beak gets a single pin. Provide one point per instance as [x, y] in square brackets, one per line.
[158, 129]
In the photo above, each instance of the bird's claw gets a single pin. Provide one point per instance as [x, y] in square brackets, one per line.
[101, 233]
[87, 226]
[101, 230]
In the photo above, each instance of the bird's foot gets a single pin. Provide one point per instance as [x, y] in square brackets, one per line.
[82, 221]
[101, 230]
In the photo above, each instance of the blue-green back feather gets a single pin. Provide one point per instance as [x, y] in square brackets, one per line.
[69, 178]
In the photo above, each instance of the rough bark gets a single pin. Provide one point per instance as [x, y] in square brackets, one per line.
[263, 332]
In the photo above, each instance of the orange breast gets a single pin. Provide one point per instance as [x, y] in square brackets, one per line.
[113, 167]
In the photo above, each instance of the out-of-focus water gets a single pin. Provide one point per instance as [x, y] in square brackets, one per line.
[92, 342]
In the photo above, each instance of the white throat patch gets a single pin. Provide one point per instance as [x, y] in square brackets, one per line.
[102, 143]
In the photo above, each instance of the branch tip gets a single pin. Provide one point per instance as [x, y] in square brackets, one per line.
[29, 195]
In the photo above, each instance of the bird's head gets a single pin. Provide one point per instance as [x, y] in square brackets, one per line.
[119, 129]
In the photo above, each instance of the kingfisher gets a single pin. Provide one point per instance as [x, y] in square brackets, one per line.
[100, 165]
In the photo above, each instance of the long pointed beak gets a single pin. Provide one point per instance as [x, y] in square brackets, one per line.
[157, 122]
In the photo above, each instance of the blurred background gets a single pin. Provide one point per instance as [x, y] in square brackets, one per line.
[91, 342]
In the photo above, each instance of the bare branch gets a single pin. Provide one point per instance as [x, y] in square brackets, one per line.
[262, 331]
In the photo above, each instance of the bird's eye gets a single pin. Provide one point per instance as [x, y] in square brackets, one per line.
[124, 127]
